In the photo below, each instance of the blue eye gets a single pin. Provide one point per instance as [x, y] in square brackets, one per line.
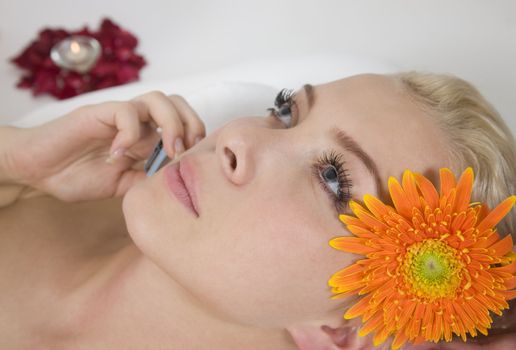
[284, 114]
[331, 177]
[329, 170]
[283, 107]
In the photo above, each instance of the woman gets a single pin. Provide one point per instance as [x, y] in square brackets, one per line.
[93, 255]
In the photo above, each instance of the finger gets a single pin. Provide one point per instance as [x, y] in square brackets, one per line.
[125, 119]
[194, 126]
[161, 109]
[148, 139]
[131, 137]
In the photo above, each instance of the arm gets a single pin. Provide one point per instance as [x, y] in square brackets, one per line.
[94, 152]
[10, 190]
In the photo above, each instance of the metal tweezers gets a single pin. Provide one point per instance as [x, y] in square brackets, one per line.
[156, 160]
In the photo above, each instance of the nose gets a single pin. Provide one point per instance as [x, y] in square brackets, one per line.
[238, 147]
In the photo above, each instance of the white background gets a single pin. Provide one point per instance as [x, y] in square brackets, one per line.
[474, 39]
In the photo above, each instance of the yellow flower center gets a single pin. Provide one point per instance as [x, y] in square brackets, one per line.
[432, 269]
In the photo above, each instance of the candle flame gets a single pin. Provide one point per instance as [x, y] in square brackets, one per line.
[75, 47]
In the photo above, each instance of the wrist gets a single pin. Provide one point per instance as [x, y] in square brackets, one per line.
[9, 137]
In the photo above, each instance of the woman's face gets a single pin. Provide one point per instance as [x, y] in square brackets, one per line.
[258, 252]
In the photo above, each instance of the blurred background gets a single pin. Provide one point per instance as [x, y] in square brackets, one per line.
[474, 39]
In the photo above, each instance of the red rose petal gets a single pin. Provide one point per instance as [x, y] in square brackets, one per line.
[44, 82]
[127, 74]
[118, 64]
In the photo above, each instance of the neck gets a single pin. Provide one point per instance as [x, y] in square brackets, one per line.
[132, 297]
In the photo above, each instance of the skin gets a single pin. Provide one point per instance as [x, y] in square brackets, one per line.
[288, 208]
[251, 270]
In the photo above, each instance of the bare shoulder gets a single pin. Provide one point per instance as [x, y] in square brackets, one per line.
[48, 248]
[11, 193]
[45, 221]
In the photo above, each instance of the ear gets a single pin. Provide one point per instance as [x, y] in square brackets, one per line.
[315, 336]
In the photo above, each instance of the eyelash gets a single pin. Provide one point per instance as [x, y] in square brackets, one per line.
[282, 102]
[327, 160]
[334, 160]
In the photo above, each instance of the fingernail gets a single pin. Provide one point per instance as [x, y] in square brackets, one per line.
[117, 154]
[197, 139]
[179, 146]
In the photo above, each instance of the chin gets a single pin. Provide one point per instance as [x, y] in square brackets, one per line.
[159, 228]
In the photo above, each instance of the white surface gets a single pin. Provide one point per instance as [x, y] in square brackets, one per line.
[474, 39]
[221, 95]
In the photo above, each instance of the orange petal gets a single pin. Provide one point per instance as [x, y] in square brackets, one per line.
[343, 288]
[428, 319]
[482, 211]
[385, 291]
[511, 283]
[380, 336]
[486, 241]
[344, 294]
[469, 310]
[503, 246]
[351, 220]
[414, 325]
[480, 310]
[428, 190]
[399, 340]
[498, 213]
[410, 188]
[345, 277]
[457, 222]
[351, 245]
[376, 206]
[447, 181]
[463, 316]
[374, 323]
[361, 232]
[510, 294]
[437, 329]
[374, 284]
[471, 220]
[418, 340]
[350, 270]
[365, 216]
[408, 312]
[399, 198]
[358, 309]
[511, 268]
[464, 188]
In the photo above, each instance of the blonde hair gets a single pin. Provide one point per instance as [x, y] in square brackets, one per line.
[477, 136]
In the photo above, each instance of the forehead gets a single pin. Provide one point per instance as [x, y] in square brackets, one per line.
[385, 121]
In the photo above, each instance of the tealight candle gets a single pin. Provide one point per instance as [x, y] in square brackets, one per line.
[78, 53]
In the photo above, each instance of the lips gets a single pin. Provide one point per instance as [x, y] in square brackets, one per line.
[180, 182]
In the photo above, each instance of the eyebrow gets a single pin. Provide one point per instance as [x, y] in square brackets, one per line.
[310, 95]
[347, 142]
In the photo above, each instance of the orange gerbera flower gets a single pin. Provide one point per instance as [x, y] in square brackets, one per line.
[435, 264]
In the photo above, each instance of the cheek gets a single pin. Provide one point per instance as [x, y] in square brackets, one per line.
[265, 261]
[269, 264]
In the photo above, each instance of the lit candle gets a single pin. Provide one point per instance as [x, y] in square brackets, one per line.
[78, 53]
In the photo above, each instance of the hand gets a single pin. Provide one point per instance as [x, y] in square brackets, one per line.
[66, 157]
